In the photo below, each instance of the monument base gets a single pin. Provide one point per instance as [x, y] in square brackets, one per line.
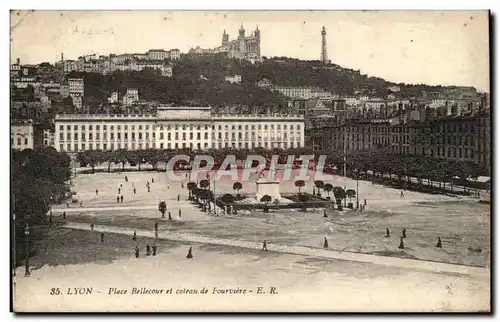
[268, 187]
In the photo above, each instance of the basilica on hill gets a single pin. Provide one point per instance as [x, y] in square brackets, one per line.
[244, 47]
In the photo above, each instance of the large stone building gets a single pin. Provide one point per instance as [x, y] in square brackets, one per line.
[244, 47]
[177, 128]
[456, 138]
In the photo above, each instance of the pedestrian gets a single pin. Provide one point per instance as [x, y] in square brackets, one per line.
[96, 192]
[126, 179]
[404, 233]
[102, 237]
[81, 204]
[121, 198]
[119, 190]
[148, 250]
[180, 216]
[134, 238]
[134, 190]
[387, 233]
[402, 194]
[156, 229]
[264, 246]
[401, 244]
[180, 213]
[178, 197]
[439, 245]
[121, 185]
[64, 215]
[91, 227]
[51, 220]
[67, 204]
[152, 180]
[147, 183]
[325, 243]
[169, 216]
[162, 215]
[117, 199]
[182, 185]
[324, 214]
[190, 253]
[154, 250]
[136, 251]
[149, 189]
[364, 202]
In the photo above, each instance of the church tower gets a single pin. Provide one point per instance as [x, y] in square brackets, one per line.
[241, 40]
[324, 55]
[225, 38]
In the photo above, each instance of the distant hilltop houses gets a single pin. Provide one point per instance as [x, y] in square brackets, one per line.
[158, 59]
[243, 47]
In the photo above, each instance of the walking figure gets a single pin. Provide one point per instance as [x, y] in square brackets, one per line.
[121, 185]
[404, 233]
[364, 202]
[134, 238]
[152, 180]
[182, 185]
[439, 245]
[264, 246]
[119, 190]
[91, 227]
[387, 233]
[67, 204]
[126, 179]
[180, 213]
[136, 251]
[64, 215]
[154, 250]
[81, 204]
[117, 199]
[121, 198]
[148, 250]
[325, 243]
[169, 216]
[102, 237]
[402, 194]
[178, 197]
[51, 220]
[190, 253]
[96, 192]
[149, 189]
[401, 244]
[156, 229]
[180, 216]
[324, 214]
[134, 190]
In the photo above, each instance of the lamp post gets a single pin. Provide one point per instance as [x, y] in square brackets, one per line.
[27, 234]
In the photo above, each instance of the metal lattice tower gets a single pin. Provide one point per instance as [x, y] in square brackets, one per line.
[324, 55]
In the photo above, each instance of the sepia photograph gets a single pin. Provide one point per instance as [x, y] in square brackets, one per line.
[250, 161]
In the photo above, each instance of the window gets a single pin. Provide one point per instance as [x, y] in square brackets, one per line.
[140, 135]
[161, 136]
[118, 127]
[168, 136]
[184, 137]
[140, 127]
[126, 127]
[61, 147]
[61, 127]
[176, 136]
[190, 135]
[206, 136]
[98, 127]
[91, 146]
[105, 127]
[105, 147]
[68, 147]
[68, 127]
[75, 127]
[76, 147]
[75, 136]
[161, 146]
[119, 135]
[133, 135]
[18, 141]
[61, 136]
[98, 136]
[125, 135]
[83, 146]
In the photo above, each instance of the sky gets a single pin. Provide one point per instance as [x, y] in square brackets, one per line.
[431, 47]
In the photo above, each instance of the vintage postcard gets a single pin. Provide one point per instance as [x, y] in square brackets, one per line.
[250, 161]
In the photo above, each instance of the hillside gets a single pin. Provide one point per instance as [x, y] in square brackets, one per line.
[200, 81]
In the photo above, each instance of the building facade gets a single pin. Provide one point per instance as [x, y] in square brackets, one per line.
[177, 128]
[22, 135]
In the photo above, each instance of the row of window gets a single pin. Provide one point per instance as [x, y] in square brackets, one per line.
[19, 141]
[182, 127]
[133, 146]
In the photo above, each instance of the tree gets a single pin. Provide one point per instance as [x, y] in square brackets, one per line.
[328, 188]
[162, 207]
[350, 193]
[266, 199]
[339, 194]
[204, 184]
[191, 186]
[320, 185]
[237, 186]
[299, 184]
[227, 198]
